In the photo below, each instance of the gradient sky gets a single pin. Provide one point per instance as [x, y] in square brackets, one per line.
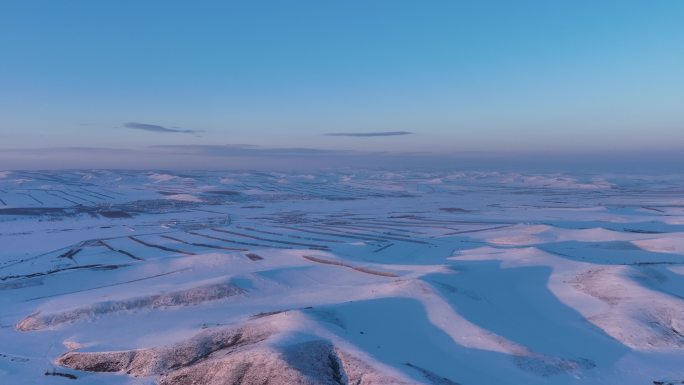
[442, 77]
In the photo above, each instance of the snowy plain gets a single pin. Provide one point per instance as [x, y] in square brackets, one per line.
[364, 277]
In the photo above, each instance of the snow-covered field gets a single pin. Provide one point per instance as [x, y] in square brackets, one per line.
[114, 277]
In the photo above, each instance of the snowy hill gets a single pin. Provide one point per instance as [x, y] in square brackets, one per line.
[115, 277]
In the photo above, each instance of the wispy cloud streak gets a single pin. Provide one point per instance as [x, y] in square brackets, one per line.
[367, 134]
[157, 128]
[246, 150]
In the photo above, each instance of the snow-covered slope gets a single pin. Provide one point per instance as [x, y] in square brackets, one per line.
[115, 277]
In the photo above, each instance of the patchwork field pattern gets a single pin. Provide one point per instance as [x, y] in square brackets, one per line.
[471, 278]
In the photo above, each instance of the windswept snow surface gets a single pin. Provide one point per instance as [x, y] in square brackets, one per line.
[470, 278]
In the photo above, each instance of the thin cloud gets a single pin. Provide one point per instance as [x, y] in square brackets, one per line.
[157, 128]
[366, 134]
[245, 150]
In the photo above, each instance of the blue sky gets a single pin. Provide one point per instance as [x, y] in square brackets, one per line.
[453, 76]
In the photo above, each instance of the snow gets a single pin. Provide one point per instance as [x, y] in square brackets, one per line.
[183, 197]
[399, 277]
[671, 244]
[161, 177]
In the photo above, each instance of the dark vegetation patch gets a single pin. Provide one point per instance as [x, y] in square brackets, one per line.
[124, 252]
[454, 210]
[114, 214]
[224, 192]
[13, 358]
[266, 314]
[359, 269]
[70, 254]
[236, 242]
[638, 231]
[53, 271]
[432, 376]
[309, 245]
[60, 374]
[382, 248]
[203, 244]
[254, 257]
[33, 211]
[336, 368]
[140, 241]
